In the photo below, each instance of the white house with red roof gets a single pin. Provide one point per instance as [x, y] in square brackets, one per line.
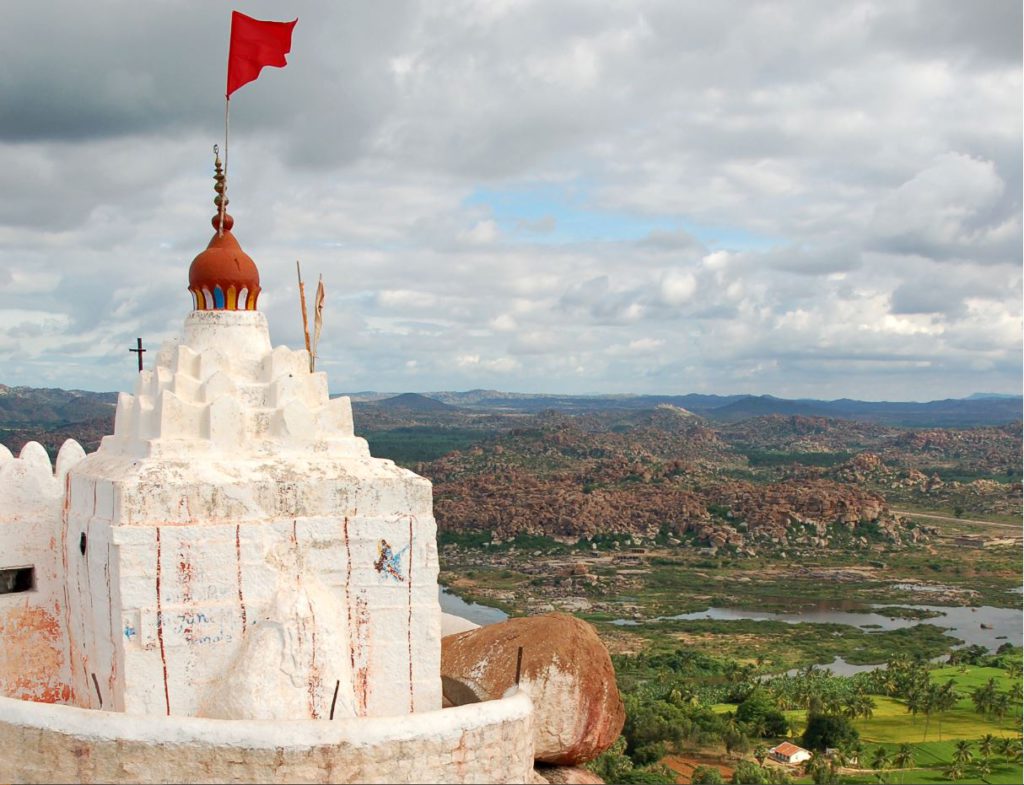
[789, 753]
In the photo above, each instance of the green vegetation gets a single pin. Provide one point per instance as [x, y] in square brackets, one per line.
[706, 775]
[782, 646]
[416, 444]
[772, 458]
[701, 688]
[899, 612]
[882, 721]
[829, 730]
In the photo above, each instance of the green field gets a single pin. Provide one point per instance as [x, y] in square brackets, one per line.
[891, 725]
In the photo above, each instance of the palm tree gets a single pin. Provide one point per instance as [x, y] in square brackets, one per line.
[817, 768]
[760, 754]
[984, 768]
[1009, 748]
[903, 758]
[945, 699]
[962, 754]
[834, 705]
[880, 759]
[1001, 705]
[865, 706]
[929, 704]
[1005, 746]
[890, 682]
[987, 745]
[955, 772]
[985, 697]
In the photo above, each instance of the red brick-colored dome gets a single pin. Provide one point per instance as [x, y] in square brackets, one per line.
[224, 277]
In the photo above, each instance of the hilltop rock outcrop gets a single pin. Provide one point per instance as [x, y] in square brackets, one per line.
[566, 670]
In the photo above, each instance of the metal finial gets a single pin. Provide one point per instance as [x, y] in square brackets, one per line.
[222, 220]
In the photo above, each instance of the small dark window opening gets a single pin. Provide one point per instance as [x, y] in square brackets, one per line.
[82, 543]
[17, 579]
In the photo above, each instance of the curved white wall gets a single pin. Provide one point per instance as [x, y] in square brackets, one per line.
[488, 742]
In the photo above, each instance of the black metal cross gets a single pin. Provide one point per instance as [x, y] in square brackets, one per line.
[140, 351]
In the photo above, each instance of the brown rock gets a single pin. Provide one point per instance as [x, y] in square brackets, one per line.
[568, 775]
[566, 670]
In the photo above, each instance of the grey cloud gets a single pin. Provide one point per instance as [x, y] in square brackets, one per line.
[674, 241]
[862, 163]
[926, 297]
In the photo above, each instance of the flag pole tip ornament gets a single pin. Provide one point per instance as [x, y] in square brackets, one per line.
[223, 277]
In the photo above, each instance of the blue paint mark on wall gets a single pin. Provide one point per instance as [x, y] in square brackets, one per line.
[389, 562]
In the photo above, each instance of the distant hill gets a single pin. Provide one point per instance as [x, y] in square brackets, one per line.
[979, 409]
[763, 405]
[983, 396]
[51, 415]
[411, 402]
[48, 407]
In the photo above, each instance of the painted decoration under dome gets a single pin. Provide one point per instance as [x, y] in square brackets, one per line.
[223, 277]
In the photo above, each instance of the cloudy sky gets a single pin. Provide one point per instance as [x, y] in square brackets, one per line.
[807, 199]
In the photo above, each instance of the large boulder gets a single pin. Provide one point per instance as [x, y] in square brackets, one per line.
[568, 775]
[566, 670]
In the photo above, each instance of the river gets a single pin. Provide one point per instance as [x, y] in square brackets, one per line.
[959, 622]
[962, 623]
[475, 612]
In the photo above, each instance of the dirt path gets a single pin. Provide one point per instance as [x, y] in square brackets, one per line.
[1016, 526]
[684, 765]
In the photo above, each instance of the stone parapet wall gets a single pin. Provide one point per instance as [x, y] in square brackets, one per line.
[33, 644]
[489, 742]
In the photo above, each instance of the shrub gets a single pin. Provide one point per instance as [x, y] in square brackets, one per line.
[746, 773]
[829, 730]
[706, 775]
[761, 716]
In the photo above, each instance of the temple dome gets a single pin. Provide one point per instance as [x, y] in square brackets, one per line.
[223, 277]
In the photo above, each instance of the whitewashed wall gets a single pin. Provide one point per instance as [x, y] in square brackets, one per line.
[34, 662]
[246, 556]
[490, 742]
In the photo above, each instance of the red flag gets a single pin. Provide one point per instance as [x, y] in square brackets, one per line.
[254, 44]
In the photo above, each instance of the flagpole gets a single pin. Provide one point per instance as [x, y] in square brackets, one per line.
[224, 194]
[305, 318]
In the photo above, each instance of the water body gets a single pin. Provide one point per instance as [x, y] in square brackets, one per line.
[841, 667]
[475, 612]
[962, 623]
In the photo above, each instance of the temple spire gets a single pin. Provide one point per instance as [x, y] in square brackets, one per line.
[223, 277]
[221, 221]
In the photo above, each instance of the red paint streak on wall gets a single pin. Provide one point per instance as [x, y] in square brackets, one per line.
[295, 554]
[362, 674]
[412, 700]
[238, 570]
[348, 599]
[64, 574]
[160, 624]
[114, 632]
[315, 679]
[88, 641]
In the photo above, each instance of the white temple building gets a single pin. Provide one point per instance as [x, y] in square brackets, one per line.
[231, 588]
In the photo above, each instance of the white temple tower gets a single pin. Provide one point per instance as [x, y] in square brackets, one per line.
[233, 550]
